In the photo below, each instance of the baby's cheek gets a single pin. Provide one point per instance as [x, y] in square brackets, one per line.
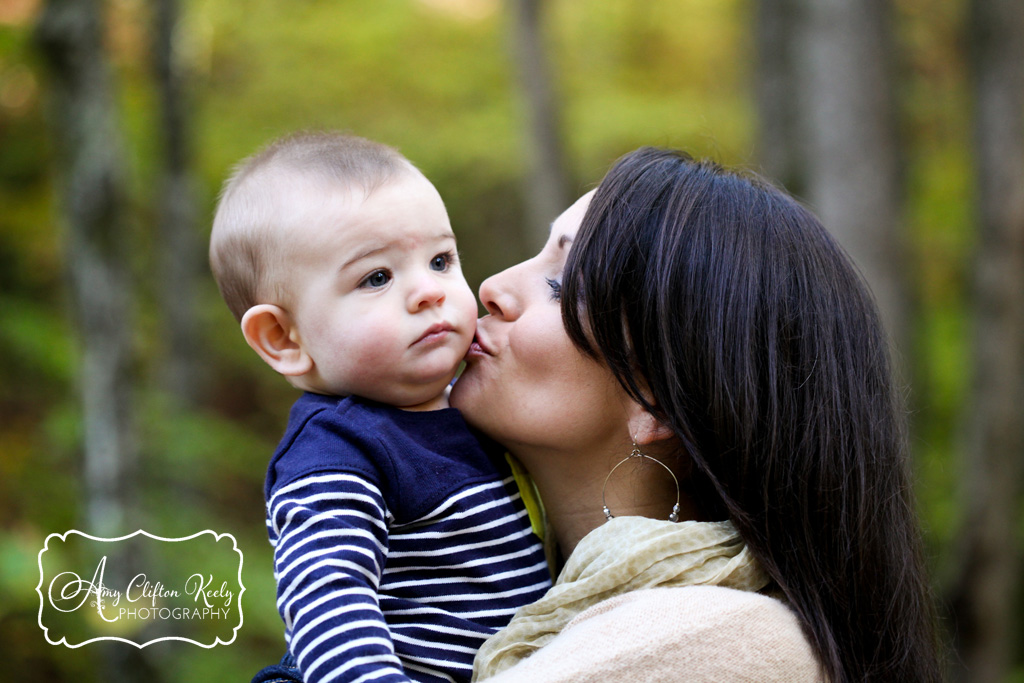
[376, 345]
[468, 309]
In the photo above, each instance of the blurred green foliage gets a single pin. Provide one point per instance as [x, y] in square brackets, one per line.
[435, 79]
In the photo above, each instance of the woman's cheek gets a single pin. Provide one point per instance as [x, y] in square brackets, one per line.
[473, 393]
[488, 402]
[540, 344]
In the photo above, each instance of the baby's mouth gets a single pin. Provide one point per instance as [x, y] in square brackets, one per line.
[435, 333]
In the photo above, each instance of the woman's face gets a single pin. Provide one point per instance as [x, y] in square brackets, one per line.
[526, 385]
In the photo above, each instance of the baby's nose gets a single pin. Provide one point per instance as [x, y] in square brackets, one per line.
[427, 292]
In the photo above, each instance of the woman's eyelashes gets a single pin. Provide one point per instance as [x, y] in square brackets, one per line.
[556, 288]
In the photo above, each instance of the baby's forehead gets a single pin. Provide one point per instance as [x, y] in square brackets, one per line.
[406, 209]
[286, 181]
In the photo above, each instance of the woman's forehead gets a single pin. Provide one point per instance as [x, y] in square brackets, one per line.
[564, 229]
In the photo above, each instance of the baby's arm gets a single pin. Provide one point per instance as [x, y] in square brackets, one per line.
[330, 544]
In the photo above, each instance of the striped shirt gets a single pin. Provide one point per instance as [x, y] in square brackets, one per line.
[400, 544]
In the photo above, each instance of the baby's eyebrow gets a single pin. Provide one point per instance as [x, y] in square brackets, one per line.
[363, 255]
[384, 247]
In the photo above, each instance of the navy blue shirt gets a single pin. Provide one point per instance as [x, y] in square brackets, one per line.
[400, 542]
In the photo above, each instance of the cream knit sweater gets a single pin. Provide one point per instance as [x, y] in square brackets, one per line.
[647, 600]
[691, 634]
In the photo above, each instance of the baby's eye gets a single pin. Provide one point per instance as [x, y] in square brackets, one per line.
[556, 288]
[441, 262]
[377, 278]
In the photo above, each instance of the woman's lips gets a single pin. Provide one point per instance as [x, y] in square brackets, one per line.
[435, 333]
[478, 348]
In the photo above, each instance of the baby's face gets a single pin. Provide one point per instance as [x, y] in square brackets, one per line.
[378, 295]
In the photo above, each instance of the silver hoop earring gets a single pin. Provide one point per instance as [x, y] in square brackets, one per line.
[637, 453]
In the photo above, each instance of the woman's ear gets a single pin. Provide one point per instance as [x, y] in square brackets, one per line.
[272, 333]
[645, 428]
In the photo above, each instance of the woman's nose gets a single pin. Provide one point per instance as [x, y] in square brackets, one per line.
[498, 297]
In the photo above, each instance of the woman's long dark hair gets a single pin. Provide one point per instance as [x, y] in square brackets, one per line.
[724, 306]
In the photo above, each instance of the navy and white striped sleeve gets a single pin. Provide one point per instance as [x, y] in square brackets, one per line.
[329, 533]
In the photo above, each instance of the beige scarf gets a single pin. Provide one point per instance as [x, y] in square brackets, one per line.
[623, 555]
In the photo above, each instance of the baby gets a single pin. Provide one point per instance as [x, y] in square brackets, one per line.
[400, 542]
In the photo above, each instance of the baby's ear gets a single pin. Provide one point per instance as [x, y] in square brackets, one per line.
[272, 333]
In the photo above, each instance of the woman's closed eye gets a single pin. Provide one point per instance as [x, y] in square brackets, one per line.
[556, 288]
[376, 279]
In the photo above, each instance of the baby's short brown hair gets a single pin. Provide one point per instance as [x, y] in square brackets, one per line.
[248, 220]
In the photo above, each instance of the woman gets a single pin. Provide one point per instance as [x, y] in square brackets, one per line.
[715, 332]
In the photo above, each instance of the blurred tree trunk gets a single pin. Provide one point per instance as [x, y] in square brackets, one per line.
[546, 188]
[985, 595]
[847, 121]
[775, 88]
[179, 242]
[70, 38]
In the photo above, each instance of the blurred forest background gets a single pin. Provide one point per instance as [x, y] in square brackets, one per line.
[129, 400]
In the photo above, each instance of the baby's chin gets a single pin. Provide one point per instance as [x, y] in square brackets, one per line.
[414, 392]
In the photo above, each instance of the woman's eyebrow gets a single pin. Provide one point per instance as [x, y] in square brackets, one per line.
[563, 240]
